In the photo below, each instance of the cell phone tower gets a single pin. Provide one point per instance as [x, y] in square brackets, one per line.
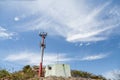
[42, 45]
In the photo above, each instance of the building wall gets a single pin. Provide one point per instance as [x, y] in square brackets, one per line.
[58, 70]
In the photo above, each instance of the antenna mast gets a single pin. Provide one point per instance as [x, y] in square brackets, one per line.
[42, 45]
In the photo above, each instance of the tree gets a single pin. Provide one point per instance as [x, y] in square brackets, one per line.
[76, 73]
[27, 69]
[4, 73]
[28, 72]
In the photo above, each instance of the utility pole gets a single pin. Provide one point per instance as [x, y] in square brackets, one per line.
[42, 45]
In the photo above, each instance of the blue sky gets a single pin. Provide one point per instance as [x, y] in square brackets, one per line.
[82, 33]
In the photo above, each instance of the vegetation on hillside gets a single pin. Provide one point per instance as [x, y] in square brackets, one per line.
[29, 73]
[76, 73]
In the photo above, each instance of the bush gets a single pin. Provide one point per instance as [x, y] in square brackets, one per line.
[4, 73]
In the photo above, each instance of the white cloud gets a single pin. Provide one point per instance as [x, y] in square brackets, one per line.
[72, 24]
[87, 44]
[5, 34]
[113, 74]
[81, 44]
[16, 18]
[76, 21]
[94, 57]
[34, 58]
[49, 58]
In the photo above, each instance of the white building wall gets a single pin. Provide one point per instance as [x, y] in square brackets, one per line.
[58, 70]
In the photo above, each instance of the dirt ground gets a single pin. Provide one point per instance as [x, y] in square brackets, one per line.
[61, 78]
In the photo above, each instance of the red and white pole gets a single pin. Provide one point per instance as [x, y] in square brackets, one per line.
[42, 45]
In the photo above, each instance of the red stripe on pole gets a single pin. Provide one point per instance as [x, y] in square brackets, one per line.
[40, 70]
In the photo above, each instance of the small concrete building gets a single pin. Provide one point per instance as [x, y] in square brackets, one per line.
[58, 70]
